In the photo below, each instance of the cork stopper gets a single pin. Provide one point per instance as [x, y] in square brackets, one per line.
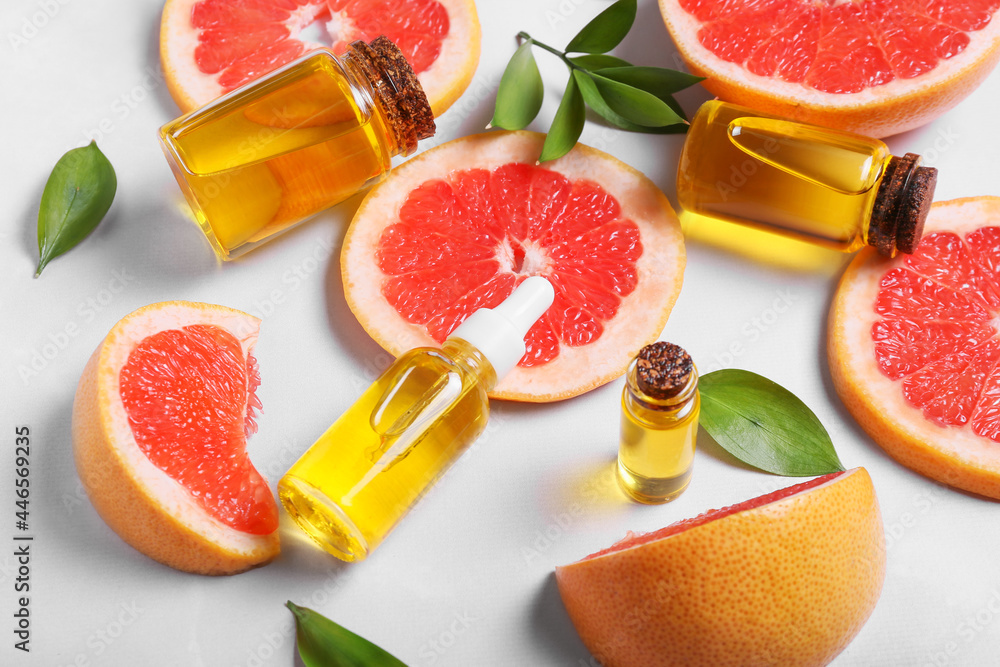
[663, 370]
[901, 205]
[399, 92]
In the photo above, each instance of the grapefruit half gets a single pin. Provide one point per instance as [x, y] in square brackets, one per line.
[785, 579]
[914, 351]
[876, 67]
[459, 226]
[160, 423]
[210, 47]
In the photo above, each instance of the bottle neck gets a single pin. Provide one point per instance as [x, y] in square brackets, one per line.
[381, 70]
[676, 407]
[469, 357]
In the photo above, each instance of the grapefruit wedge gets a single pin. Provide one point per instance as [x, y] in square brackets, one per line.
[785, 579]
[914, 350]
[459, 226]
[160, 423]
[210, 47]
[876, 67]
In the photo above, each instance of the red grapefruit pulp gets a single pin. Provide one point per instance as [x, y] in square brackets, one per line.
[441, 268]
[458, 227]
[210, 47]
[190, 399]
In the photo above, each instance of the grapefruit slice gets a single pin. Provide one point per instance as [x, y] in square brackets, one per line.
[209, 47]
[876, 67]
[160, 423]
[788, 578]
[459, 226]
[914, 351]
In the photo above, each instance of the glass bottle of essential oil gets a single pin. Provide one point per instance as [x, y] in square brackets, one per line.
[659, 424]
[360, 478]
[832, 188]
[309, 135]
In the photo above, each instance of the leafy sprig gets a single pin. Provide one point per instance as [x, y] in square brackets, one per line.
[633, 98]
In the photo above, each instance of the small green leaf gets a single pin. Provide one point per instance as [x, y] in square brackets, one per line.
[76, 198]
[594, 100]
[606, 30]
[598, 61]
[654, 80]
[636, 105]
[323, 643]
[567, 124]
[519, 97]
[764, 425]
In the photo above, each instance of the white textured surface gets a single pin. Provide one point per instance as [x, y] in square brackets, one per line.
[466, 579]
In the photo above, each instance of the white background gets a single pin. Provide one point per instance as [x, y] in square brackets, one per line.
[467, 578]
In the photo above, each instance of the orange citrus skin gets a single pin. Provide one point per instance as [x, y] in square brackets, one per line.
[125, 499]
[900, 429]
[927, 98]
[786, 584]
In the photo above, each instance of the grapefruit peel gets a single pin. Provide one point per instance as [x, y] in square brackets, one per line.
[640, 317]
[146, 507]
[899, 105]
[812, 556]
[953, 455]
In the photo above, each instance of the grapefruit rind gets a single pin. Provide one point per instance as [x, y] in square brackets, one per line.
[878, 111]
[147, 508]
[443, 82]
[813, 561]
[640, 318]
[951, 455]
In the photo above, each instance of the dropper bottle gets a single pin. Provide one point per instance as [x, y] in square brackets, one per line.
[350, 488]
[831, 188]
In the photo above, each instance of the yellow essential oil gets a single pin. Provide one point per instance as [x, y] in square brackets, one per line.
[357, 481]
[659, 424]
[311, 134]
[831, 188]
[375, 462]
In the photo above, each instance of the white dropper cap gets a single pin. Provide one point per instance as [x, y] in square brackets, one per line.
[499, 332]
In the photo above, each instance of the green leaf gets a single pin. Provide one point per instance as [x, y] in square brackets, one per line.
[567, 124]
[519, 97]
[594, 100]
[598, 61]
[606, 30]
[636, 105]
[323, 643]
[654, 80]
[76, 198]
[765, 425]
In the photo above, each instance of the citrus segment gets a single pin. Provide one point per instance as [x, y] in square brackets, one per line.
[812, 556]
[190, 399]
[442, 265]
[460, 226]
[210, 47]
[914, 348]
[877, 67]
[160, 421]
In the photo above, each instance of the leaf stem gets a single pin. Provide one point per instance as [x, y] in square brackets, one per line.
[551, 49]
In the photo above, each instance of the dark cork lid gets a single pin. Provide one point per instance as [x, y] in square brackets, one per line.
[399, 92]
[901, 205]
[663, 370]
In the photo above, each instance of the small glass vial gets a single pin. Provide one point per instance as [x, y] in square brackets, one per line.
[832, 188]
[361, 477]
[278, 150]
[659, 424]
